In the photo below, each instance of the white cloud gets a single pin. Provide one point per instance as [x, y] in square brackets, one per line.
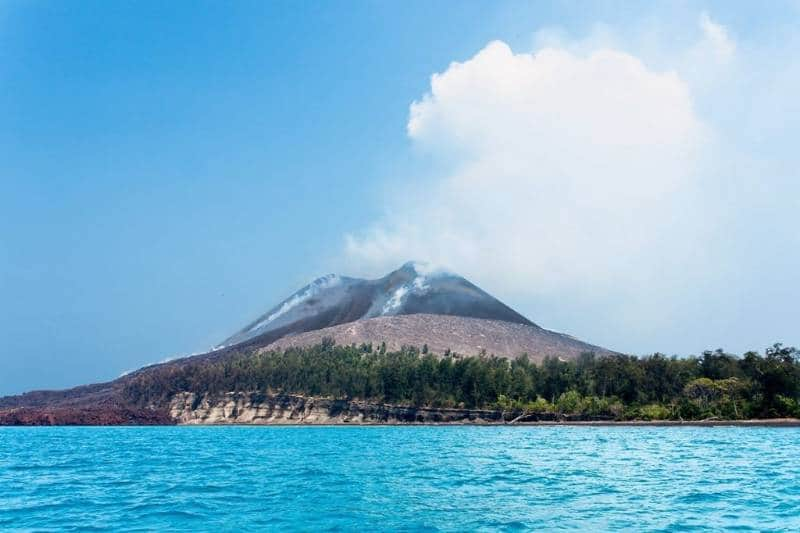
[708, 64]
[581, 181]
[569, 169]
[716, 38]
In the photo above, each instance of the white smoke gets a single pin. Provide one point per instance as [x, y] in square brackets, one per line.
[582, 185]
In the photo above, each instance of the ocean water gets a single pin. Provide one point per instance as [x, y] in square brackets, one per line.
[399, 478]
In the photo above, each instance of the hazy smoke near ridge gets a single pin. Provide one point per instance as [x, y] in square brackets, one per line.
[580, 179]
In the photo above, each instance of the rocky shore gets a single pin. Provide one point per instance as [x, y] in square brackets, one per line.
[256, 408]
[262, 409]
[76, 416]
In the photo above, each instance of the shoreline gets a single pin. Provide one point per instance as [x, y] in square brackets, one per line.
[756, 423]
[766, 422]
[255, 409]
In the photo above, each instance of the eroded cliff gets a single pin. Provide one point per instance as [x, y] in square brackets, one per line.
[259, 408]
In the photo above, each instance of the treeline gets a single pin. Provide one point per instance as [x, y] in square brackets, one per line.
[716, 384]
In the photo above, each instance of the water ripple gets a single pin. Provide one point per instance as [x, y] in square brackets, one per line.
[400, 478]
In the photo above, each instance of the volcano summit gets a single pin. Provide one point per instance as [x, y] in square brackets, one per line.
[414, 288]
[414, 305]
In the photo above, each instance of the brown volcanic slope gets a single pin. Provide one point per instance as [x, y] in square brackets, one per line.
[462, 335]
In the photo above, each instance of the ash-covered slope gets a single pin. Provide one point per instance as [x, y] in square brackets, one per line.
[414, 288]
[443, 333]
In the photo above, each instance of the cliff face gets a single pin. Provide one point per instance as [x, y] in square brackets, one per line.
[255, 408]
[258, 408]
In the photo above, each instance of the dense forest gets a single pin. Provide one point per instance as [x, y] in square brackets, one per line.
[716, 384]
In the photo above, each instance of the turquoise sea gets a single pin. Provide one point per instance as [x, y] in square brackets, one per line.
[399, 478]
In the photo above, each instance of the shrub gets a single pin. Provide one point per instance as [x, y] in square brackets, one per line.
[654, 411]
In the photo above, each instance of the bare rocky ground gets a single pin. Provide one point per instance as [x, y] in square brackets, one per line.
[461, 335]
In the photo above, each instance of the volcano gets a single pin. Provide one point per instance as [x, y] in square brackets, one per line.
[416, 305]
[414, 288]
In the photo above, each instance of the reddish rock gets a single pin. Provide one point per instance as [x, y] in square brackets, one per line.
[75, 416]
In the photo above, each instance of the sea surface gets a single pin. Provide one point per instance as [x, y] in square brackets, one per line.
[399, 478]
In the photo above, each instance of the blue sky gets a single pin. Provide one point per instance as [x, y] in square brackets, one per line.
[170, 170]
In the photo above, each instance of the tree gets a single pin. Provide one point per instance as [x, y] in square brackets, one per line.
[703, 391]
[621, 386]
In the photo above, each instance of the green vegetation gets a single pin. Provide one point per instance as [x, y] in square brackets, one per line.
[621, 387]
